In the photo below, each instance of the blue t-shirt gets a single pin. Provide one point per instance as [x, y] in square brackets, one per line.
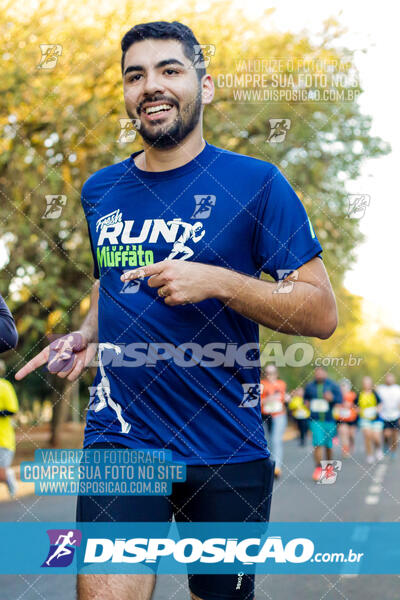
[314, 392]
[186, 378]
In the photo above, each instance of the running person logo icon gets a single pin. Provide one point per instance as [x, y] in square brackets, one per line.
[103, 389]
[279, 129]
[54, 206]
[61, 353]
[131, 286]
[50, 54]
[252, 393]
[62, 547]
[330, 469]
[204, 204]
[190, 232]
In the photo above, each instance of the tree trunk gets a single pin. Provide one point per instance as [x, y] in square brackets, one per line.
[60, 411]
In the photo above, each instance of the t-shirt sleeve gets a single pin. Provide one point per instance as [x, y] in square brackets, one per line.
[8, 331]
[87, 208]
[96, 273]
[284, 236]
[8, 397]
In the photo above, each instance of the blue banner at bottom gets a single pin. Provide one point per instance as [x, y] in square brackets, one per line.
[215, 548]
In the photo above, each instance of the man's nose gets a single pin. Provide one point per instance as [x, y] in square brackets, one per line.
[153, 84]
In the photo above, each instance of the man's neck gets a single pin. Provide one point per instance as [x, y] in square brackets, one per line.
[154, 159]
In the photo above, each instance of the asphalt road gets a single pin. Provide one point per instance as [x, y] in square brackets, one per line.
[361, 493]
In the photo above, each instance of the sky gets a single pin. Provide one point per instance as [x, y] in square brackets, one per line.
[374, 27]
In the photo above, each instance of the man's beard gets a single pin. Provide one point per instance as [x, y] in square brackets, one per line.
[177, 131]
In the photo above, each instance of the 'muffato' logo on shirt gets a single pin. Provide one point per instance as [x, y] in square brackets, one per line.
[117, 246]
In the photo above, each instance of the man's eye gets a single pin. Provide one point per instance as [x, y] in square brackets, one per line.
[134, 77]
[169, 71]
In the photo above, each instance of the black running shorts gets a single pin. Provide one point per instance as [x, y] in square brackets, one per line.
[217, 493]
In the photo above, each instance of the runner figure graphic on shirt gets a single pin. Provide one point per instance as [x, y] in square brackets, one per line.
[62, 549]
[103, 389]
[189, 233]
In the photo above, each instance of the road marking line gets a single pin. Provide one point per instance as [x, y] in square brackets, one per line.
[375, 489]
[371, 499]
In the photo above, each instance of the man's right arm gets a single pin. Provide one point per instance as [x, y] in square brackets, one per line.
[83, 349]
[89, 327]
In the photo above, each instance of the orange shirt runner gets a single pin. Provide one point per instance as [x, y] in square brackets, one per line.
[347, 411]
[273, 397]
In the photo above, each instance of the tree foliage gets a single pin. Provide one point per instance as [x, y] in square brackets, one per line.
[61, 125]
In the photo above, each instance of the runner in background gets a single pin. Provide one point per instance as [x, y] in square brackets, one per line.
[8, 400]
[273, 410]
[8, 331]
[300, 413]
[320, 396]
[368, 402]
[8, 408]
[346, 416]
[390, 413]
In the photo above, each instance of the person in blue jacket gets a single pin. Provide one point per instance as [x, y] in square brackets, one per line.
[320, 396]
[8, 331]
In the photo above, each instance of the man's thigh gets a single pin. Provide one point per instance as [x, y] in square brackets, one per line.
[225, 493]
[120, 509]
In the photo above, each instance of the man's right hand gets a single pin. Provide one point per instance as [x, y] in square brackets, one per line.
[67, 356]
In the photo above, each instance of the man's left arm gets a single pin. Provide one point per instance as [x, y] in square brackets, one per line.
[308, 309]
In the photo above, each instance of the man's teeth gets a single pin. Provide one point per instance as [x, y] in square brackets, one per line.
[153, 109]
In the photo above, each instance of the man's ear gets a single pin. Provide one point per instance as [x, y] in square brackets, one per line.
[207, 89]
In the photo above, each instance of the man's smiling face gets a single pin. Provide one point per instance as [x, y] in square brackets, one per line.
[161, 88]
